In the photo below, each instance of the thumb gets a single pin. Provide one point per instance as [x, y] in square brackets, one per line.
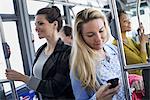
[105, 87]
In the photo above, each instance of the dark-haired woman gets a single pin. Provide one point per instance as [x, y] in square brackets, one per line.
[135, 52]
[51, 66]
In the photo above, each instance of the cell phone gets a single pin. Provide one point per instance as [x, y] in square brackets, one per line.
[114, 82]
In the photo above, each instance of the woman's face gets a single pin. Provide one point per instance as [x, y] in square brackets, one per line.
[43, 27]
[125, 23]
[94, 34]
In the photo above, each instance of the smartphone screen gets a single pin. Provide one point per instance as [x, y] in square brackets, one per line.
[114, 82]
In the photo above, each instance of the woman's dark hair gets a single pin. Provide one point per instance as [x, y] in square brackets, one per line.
[120, 12]
[52, 14]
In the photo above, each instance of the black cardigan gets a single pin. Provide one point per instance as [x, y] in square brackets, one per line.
[55, 83]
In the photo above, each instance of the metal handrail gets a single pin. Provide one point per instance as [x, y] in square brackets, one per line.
[137, 66]
[2, 37]
[4, 80]
[125, 80]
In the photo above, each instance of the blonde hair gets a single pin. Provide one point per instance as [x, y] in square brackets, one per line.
[82, 56]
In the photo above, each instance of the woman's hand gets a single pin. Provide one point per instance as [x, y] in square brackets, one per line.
[16, 76]
[104, 93]
[143, 37]
[138, 85]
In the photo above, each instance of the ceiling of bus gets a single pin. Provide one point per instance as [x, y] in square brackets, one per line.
[124, 4]
[99, 3]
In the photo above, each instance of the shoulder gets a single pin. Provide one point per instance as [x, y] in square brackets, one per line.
[130, 40]
[114, 42]
[63, 50]
[66, 49]
[62, 47]
[110, 48]
[40, 49]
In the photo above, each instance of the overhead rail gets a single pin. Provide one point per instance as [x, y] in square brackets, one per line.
[72, 4]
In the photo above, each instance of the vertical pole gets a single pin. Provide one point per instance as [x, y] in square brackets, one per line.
[67, 15]
[122, 59]
[6, 54]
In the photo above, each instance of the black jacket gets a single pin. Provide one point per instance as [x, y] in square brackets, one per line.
[55, 83]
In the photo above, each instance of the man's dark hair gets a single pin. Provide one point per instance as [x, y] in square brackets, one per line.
[67, 30]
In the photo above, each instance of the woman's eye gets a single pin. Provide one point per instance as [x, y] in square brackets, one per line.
[41, 23]
[90, 35]
[100, 31]
[125, 21]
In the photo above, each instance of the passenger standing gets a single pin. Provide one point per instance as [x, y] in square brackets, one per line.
[51, 65]
[135, 53]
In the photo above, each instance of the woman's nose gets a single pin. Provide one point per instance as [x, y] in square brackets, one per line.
[36, 29]
[98, 37]
[129, 21]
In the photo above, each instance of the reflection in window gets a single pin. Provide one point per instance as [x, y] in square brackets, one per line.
[6, 7]
[11, 38]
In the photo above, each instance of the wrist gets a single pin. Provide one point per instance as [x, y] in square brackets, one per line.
[97, 96]
[25, 79]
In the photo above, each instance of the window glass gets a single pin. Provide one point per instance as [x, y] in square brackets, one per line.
[15, 59]
[61, 8]
[145, 19]
[34, 6]
[6, 7]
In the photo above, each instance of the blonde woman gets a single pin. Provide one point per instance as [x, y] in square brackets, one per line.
[93, 62]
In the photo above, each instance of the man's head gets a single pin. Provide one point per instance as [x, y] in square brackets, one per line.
[66, 34]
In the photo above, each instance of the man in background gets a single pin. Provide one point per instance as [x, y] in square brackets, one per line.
[66, 34]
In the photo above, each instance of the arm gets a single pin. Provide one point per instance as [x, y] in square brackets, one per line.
[142, 48]
[80, 93]
[51, 86]
[14, 75]
[143, 40]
